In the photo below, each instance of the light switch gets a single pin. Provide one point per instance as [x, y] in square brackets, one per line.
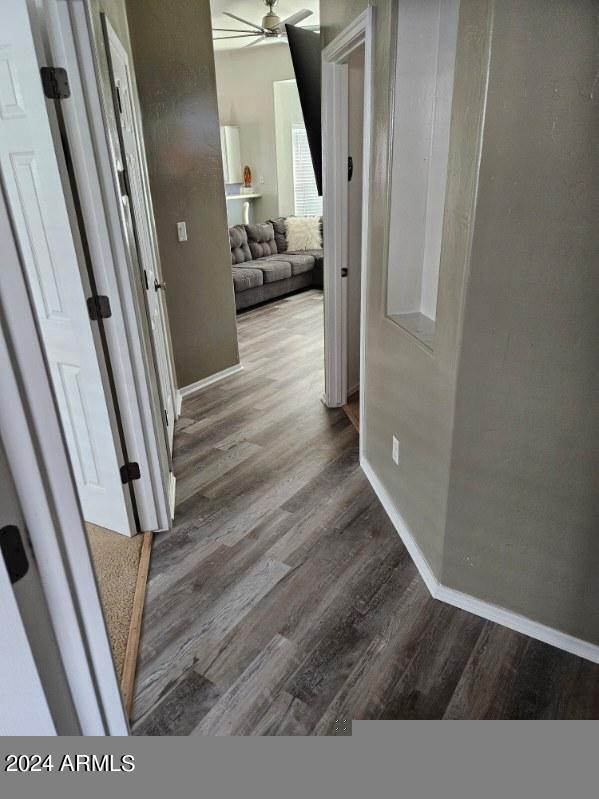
[182, 231]
[395, 450]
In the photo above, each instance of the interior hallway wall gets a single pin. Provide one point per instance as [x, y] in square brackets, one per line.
[244, 81]
[497, 425]
[174, 67]
[523, 512]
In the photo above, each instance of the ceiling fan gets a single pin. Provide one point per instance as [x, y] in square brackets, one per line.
[272, 27]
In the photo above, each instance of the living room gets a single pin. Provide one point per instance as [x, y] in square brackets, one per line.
[274, 205]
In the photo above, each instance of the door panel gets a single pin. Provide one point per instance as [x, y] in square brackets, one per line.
[35, 195]
[39, 643]
[140, 208]
[20, 685]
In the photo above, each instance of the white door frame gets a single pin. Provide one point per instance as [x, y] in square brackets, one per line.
[139, 201]
[76, 43]
[335, 190]
[38, 460]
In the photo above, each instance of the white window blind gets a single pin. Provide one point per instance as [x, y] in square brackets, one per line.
[305, 195]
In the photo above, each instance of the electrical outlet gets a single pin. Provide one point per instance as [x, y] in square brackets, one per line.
[395, 450]
[261, 180]
[182, 231]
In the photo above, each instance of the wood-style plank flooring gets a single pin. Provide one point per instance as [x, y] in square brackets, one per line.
[284, 600]
[352, 410]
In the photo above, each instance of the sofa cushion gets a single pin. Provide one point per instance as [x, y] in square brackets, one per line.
[314, 253]
[280, 230]
[273, 269]
[240, 252]
[318, 256]
[300, 262]
[245, 278]
[261, 239]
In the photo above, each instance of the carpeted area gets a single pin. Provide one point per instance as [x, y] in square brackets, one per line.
[121, 566]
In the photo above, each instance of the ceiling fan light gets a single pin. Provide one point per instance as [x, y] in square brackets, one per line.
[271, 21]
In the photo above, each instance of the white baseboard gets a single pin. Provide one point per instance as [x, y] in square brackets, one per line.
[486, 610]
[406, 536]
[193, 388]
[172, 490]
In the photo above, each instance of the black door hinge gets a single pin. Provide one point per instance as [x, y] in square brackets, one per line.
[344, 271]
[130, 471]
[98, 307]
[350, 168]
[165, 417]
[13, 551]
[55, 82]
[124, 186]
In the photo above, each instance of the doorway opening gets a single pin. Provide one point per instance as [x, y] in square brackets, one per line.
[355, 190]
[347, 92]
[267, 90]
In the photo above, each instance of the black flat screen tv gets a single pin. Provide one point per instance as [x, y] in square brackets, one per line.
[305, 55]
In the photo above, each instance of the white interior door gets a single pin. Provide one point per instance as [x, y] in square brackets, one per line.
[26, 635]
[20, 684]
[35, 195]
[335, 202]
[141, 212]
[32, 614]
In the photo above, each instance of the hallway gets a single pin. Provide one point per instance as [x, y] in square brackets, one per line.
[284, 600]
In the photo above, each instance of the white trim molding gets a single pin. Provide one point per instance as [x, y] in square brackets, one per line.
[402, 528]
[486, 610]
[193, 388]
[334, 158]
[172, 493]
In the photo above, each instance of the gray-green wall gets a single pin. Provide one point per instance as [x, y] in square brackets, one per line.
[174, 67]
[523, 514]
[497, 429]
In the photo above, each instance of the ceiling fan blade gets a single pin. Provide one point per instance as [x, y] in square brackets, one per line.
[245, 21]
[233, 30]
[297, 17]
[239, 36]
[257, 40]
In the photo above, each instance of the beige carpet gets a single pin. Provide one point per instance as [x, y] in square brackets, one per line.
[117, 563]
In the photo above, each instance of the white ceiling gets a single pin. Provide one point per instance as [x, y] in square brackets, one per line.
[254, 10]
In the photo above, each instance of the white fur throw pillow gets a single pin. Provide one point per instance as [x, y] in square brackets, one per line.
[303, 233]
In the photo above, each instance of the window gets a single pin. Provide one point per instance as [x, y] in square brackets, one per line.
[305, 195]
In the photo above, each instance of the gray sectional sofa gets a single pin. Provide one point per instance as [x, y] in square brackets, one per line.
[263, 267]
